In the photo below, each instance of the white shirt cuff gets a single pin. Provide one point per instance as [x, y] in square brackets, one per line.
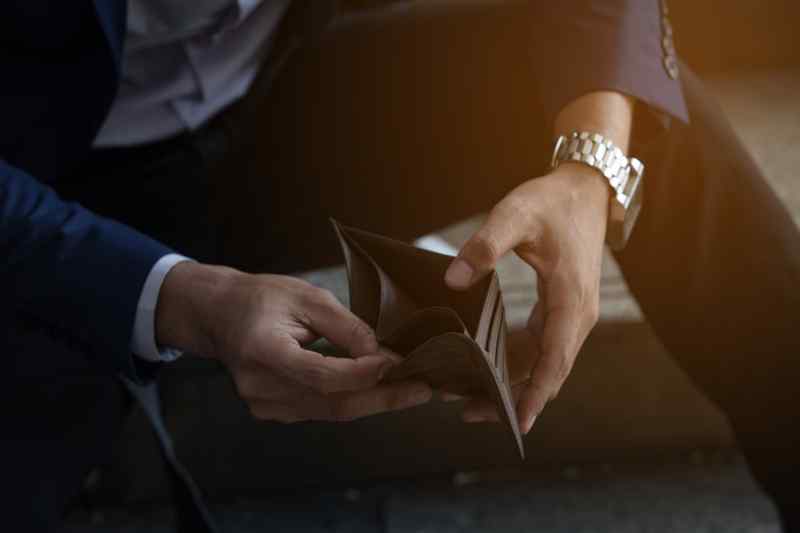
[143, 343]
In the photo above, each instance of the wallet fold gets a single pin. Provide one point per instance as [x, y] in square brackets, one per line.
[453, 340]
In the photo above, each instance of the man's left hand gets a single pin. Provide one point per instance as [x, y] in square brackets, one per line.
[556, 224]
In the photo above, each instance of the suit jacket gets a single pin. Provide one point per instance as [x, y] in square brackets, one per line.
[74, 272]
[81, 274]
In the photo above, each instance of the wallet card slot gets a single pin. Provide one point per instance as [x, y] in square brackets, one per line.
[491, 342]
[483, 330]
[491, 338]
[499, 354]
[504, 363]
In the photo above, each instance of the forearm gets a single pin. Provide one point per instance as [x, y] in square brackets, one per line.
[608, 113]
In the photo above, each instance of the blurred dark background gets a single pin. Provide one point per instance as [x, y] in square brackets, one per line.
[721, 35]
[717, 35]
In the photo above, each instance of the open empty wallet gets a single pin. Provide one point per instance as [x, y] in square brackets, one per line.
[453, 340]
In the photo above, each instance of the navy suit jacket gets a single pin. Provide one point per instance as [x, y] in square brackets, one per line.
[80, 274]
[76, 273]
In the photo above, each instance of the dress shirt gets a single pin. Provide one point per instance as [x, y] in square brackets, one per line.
[143, 342]
[184, 62]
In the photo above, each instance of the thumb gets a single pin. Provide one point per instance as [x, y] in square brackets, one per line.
[500, 233]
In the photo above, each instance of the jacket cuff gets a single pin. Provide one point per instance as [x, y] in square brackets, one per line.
[611, 45]
[106, 275]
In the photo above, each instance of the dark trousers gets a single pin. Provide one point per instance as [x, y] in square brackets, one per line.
[405, 120]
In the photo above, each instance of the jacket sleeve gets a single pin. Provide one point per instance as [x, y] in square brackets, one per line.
[78, 273]
[580, 46]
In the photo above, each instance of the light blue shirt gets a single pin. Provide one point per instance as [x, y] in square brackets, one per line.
[184, 62]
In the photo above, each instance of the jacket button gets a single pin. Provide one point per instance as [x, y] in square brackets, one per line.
[668, 45]
[671, 66]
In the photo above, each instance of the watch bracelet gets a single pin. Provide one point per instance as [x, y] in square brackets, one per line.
[624, 176]
[600, 153]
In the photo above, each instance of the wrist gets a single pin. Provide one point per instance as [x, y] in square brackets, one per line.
[585, 185]
[185, 312]
[595, 130]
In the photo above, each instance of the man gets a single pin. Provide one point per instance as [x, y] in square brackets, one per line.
[127, 139]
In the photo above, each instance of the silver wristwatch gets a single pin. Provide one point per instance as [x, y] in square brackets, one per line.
[624, 175]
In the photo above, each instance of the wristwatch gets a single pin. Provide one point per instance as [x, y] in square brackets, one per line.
[624, 175]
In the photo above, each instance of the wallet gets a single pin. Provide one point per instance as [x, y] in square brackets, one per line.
[453, 340]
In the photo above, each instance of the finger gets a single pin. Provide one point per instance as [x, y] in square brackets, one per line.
[271, 411]
[327, 375]
[506, 226]
[535, 322]
[523, 349]
[383, 398]
[481, 409]
[523, 352]
[451, 397]
[558, 350]
[326, 315]
[256, 384]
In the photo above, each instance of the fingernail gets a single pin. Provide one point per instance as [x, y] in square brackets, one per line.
[451, 397]
[473, 417]
[420, 396]
[389, 354]
[459, 274]
[529, 425]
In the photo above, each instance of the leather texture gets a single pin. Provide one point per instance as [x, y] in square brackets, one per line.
[453, 340]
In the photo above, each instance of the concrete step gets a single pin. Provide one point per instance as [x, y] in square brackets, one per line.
[701, 491]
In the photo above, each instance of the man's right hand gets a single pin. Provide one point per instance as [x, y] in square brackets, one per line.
[257, 326]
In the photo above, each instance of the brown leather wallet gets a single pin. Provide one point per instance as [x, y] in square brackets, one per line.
[453, 340]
